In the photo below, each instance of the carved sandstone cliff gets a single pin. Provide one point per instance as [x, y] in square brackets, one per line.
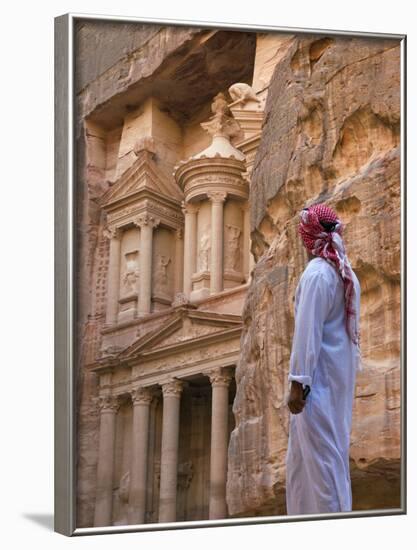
[331, 133]
[120, 67]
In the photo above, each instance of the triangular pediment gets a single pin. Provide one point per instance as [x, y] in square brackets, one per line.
[186, 326]
[143, 175]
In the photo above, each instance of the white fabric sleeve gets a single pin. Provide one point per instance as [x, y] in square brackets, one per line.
[313, 305]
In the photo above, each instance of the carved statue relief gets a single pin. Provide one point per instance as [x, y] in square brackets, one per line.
[242, 92]
[131, 273]
[121, 500]
[219, 105]
[124, 487]
[161, 272]
[204, 250]
[185, 474]
[222, 122]
[232, 248]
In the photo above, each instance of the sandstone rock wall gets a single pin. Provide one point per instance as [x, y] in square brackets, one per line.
[331, 133]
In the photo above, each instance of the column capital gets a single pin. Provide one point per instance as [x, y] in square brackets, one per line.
[245, 206]
[173, 387]
[220, 376]
[108, 403]
[217, 196]
[146, 220]
[190, 207]
[179, 233]
[112, 232]
[142, 395]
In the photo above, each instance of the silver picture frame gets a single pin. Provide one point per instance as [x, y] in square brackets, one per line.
[65, 314]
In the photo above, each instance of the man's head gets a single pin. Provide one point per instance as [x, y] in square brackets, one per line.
[316, 224]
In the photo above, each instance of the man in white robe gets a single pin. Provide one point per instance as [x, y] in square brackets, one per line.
[324, 358]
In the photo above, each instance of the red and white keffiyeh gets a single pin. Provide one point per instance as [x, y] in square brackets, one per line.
[328, 244]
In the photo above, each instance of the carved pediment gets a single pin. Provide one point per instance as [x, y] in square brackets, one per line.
[186, 328]
[143, 175]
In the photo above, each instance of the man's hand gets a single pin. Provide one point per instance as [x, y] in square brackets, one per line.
[295, 401]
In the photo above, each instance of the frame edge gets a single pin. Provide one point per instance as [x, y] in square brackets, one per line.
[63, 384]
[64, 444]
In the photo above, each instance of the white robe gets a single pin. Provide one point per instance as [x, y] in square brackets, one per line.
[324, 357]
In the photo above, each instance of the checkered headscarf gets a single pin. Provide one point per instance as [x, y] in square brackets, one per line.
[328, 244]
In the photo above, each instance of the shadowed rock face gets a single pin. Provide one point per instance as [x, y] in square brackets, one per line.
[331, 134]
[118, 66]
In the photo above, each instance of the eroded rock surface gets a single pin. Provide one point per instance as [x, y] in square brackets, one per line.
[331, 133]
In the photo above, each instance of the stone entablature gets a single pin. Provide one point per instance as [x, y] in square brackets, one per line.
[188, 343]
[203, 175]
[118, 337]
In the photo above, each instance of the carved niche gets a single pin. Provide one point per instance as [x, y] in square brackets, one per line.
[163, 267]
[161, 274]
[131, 273]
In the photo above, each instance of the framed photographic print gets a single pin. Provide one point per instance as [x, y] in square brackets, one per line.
[230, 260]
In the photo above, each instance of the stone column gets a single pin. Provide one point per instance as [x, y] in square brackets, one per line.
[190, 245]
[179, 260]
[196, 493]
[141, 399]
[169, 449]
[113, 277]
[220, 379]
[147, 224]
[152, 483]
[108, 405]
[217, 240]
[246, 239]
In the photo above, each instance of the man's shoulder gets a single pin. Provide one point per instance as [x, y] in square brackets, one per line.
[319, 268]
